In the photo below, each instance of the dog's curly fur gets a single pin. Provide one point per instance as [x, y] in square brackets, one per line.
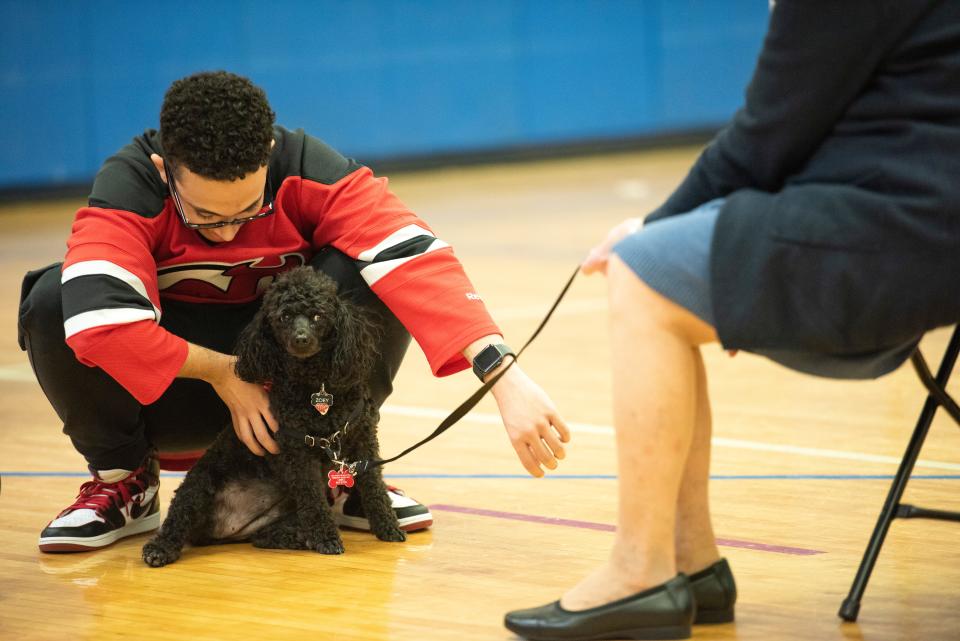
[304, 336]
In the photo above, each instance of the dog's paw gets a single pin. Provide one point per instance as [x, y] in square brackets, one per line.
[157, 554]
[391, 533]
[329, 546]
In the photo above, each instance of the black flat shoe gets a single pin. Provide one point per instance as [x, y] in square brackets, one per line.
[662, 612]
[715, 593]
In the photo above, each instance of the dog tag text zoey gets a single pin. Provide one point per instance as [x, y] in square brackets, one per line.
[322, 400]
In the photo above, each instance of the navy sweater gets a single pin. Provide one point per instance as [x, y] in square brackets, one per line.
[841, 229]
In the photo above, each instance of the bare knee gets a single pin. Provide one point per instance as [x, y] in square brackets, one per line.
[635, 303]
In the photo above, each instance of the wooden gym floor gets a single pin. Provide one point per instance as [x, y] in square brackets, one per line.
[801, 465]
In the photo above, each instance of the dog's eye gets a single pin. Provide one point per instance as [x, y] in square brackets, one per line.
[284, 318]
[316, 319]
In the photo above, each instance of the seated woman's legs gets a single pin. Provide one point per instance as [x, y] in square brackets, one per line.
[662, 420]
[695, 542]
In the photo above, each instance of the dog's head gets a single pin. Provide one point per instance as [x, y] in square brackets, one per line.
[301, 310]
[302, 317]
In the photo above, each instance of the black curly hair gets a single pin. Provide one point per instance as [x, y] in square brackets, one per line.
[217, 124]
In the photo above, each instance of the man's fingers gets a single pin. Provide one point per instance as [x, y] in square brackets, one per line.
[543, 453]
[550, 438]
[235, 421]
[264, 410]
[528, 460]
[264, 437]
[271, 421]
[246, 435]
[560, 426]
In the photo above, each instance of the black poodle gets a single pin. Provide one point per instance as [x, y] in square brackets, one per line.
[314, 351]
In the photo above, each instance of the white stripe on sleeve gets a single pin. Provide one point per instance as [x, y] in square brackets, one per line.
[397, 237]
[95, 267]
[375, 271]
[99, 317]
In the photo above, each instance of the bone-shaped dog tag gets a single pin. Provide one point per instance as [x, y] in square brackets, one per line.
[339, 477]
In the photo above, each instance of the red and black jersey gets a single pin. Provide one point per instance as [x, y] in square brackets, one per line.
[129, 251]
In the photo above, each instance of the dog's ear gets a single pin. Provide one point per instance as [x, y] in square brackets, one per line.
[355, 343]
[259, 357]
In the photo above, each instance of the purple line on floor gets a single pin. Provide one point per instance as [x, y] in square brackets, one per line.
[604, 527]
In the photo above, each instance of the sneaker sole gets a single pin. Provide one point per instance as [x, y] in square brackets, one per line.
[409, 524]
[84, 544]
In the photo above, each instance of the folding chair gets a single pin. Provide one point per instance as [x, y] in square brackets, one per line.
[893, 508]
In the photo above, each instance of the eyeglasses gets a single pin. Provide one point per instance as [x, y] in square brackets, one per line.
[265, 211]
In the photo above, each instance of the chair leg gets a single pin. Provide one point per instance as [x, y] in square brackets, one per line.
[851, 605]
[936, 389]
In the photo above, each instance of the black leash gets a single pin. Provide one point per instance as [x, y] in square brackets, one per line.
[467, 405]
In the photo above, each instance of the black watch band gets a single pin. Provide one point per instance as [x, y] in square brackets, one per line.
[490, 358]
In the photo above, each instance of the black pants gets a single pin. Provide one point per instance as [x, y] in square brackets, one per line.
[108, 426]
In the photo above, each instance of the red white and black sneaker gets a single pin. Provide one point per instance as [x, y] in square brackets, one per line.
[348, 511]
[106, 512]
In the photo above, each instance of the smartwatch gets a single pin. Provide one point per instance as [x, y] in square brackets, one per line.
[489, 359]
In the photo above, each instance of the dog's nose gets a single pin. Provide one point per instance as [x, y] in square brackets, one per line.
[301, 340]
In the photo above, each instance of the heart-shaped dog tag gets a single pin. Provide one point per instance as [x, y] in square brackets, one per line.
[322, 400]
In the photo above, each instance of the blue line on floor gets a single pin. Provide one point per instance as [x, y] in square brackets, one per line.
[568, 477]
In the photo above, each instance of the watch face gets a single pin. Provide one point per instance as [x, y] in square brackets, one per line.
[487, 359]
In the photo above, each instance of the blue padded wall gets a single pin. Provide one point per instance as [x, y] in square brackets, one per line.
[374, 78]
